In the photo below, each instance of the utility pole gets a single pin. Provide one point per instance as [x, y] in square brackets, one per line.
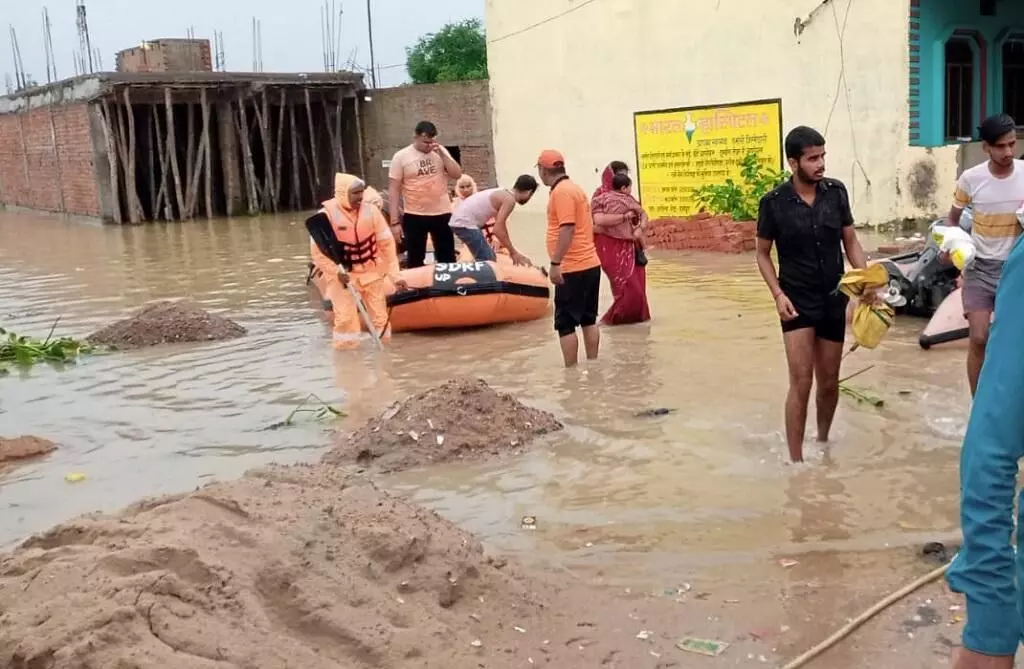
[369, 28]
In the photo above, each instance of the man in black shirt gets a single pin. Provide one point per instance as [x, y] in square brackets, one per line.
[809, 218]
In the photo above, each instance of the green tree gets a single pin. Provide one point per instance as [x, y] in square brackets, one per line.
[457, 52]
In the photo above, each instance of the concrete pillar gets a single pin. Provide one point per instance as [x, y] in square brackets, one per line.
[230, 159]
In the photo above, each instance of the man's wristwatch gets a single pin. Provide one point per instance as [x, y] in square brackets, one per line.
[555, 264]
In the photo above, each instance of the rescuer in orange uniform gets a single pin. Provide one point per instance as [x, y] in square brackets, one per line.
[369, 263]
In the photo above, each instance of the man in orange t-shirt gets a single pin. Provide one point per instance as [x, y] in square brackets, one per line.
[575, 267]
[418, 196]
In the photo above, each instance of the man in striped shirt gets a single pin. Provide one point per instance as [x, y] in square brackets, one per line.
[994, 191]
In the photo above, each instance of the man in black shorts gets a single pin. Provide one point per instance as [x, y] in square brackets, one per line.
[809, 218]
[575, 268]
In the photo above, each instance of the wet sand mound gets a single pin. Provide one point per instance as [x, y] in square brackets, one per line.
[462, 418]
[166, 322]
[291, 567]
[25, 446]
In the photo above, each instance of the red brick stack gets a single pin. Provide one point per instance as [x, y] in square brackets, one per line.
[702, 232]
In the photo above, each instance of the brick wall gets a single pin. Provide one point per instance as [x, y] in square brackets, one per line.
[170, 55]
[48, 166]
[702, 232]
[461, 111]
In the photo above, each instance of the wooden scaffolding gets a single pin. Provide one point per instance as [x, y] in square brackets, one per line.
[214, 144]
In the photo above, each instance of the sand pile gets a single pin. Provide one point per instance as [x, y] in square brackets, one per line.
[166, 322]
[20, 448]
[463, 418]
[292, 567]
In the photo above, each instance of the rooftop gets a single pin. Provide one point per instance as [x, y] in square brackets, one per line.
[89, 87]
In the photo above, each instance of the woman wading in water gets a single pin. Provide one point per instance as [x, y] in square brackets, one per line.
[619, 223]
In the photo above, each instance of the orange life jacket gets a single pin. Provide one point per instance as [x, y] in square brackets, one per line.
[356, 232]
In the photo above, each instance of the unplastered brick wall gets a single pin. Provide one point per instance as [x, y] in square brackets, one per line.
[702, 232]
[46, 160]
[460, 110]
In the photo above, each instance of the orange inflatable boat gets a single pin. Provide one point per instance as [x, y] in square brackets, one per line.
[463, 295]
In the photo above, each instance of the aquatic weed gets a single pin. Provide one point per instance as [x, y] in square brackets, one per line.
[25, 351]
[321, 412]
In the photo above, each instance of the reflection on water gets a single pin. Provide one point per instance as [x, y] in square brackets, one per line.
[702, 489]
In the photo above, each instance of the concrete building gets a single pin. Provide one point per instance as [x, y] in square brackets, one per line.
[897, 86]
[97, 145]
[167, 55]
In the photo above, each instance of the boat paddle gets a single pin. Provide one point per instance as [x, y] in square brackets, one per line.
[320, 230]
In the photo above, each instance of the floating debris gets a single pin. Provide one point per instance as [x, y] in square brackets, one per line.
[654, 413]
[708, 647]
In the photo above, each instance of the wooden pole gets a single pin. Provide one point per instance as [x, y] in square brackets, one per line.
[295, 160]
[269, 197]
[279, 148]
[208, 152]
[250, 172]
[172, 151]
[337, 128]
[151, 160]
[163, 199]
[359, 138]
[115, 177]
[194, 169]
[190, 152]
[314, 153]
[134, 206]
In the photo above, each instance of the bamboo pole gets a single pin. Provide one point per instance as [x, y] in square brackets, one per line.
[134, 206]
[208, 159]
[269, 188]
[195, 170]
[295, 159]
[115, 178]
[151, 163]
[314, 153]
[250, 171]
[279, 148]
[190, 150]
[172, 152]
[162, 196]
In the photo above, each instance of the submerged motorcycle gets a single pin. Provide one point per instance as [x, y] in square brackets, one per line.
[921, 284]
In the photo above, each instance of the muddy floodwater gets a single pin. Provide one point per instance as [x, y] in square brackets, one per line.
[700, 495]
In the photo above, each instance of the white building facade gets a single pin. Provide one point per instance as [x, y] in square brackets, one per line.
[897, 87]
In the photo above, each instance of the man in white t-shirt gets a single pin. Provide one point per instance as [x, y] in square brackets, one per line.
[489, 210]
[994, 191]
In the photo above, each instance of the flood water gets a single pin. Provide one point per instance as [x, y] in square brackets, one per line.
[702, 493]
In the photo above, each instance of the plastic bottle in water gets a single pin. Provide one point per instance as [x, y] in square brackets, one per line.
[956, 242]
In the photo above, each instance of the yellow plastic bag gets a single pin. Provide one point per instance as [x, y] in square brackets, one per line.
[870, 322]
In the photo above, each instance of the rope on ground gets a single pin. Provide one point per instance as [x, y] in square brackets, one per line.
[853, 625]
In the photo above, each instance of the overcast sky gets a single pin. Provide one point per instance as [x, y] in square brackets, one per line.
[291, 30]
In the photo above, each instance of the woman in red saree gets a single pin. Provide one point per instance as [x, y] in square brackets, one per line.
[614, 167]
[619, 223]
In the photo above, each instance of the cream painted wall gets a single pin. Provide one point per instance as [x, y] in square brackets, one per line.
[573, 83]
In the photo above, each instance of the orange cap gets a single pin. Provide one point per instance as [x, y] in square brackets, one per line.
[550, 158]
